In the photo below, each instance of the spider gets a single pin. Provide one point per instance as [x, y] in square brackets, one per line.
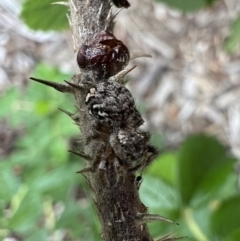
[112, 105]
[127, 149]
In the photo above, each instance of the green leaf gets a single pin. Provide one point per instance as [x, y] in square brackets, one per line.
[9, 181]
[70, 218]
[196, 222]
[54, 182]
[165, 166]
[234, 39]
[225, 221]
[75, 211]
[39, 235]
[234, 236]
[58, 150]
[199, 156]
[160, 198]
[188, 5]
[42, 15]
[216, 182]
[65, 125]
[28, 212]
[47, 72]
[7, 103]
[159, 195]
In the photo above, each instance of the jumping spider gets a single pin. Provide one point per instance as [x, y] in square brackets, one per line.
[127, 149]
[113, 106]
[132, 148]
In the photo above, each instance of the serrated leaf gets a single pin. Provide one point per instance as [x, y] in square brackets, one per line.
[42, 15]
[198, 156]
[226, 218]
[188, 5]
[234, 39]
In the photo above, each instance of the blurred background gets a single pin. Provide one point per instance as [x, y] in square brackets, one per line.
[188, 93]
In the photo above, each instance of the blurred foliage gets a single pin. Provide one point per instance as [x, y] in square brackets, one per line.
[39, 184]
[188, 5]
[233, 40]
[42, 197]
[196, 187]
[44, 15]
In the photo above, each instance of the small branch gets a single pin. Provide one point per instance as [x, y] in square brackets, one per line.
[113, 146]
[116, 192]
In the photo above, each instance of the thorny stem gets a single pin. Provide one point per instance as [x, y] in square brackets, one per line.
[122, 215]
[116, 198]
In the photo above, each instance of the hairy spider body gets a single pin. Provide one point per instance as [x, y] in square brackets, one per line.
[105, 56]
[127, 149]
[132, 148]
[112, 105]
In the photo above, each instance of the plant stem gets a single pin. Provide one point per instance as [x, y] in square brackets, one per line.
[116, 197]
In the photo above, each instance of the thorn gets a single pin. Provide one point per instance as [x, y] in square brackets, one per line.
[71, 115]
[115, 14]
[74, 6]
[109, 20]
[60, 87]
[119, 76]
[69, 20]
[78, 108]
[109, 16]
[122, 216]
[61, 3]
[81, 154]
[78, 87]
[66, 112]
[99, 12]
[139, 55]
[146, 218]
[87, 169]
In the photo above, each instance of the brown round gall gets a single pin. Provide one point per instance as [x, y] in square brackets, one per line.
[105, 56]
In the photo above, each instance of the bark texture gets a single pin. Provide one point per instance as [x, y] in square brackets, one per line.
[116, 197]
[113, 152]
